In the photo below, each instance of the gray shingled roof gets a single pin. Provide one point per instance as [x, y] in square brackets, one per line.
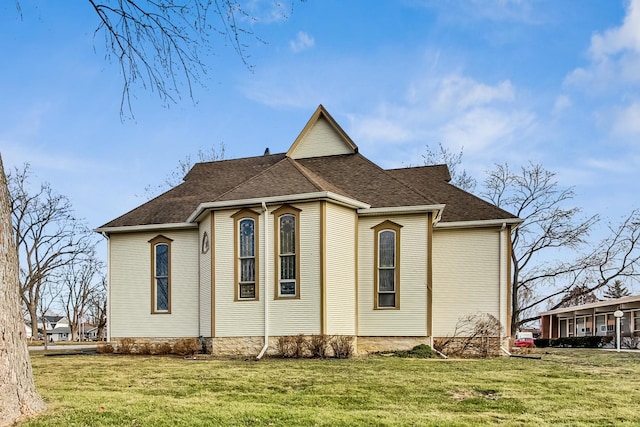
[460, 205]
[349, 175]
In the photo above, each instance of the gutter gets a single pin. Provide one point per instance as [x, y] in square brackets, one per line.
[479, 223]
[266, 282]
[147, 227]
[399, 210]
[108, 313]
[337, 198]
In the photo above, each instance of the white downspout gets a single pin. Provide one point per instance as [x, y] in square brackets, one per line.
[108, 331]
[266, 282]
[503, 286]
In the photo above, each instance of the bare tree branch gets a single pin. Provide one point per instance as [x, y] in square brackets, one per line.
[47, 234]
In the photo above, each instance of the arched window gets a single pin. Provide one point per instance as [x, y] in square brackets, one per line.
[387, 265]
[287, 243]
[160, 274]
[246, 249]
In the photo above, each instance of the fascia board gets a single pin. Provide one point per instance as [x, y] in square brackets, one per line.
[147, 227]
[479, 223]
[400, 210]
[291, 198]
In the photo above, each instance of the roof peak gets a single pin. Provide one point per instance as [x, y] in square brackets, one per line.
[322, 136]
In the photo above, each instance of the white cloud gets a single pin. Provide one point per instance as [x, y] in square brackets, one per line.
[302, 42]
[627, 121]
[562, 103]
[616, 40]
[612, 76]
[455, 110]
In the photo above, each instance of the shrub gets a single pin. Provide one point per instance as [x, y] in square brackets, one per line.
[285, 346]
[575, 342]
[342, 346]
[542, 342]
[161, 348]
[421, 351]
[292, 346]
[475, 335]
[105, 348]
[318, 346]
[186, 347]
[125, 346]
[145, 348]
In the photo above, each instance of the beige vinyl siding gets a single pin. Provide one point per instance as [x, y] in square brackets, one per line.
[340, 271]
[298, 316]
[130, 286]
[411, 318]
[321, 140]
[235, 318]
[205, 278]
[466, 276]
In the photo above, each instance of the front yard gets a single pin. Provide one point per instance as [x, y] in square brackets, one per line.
[566, 387]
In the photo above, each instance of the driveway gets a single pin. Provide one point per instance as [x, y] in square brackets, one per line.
[70, 347]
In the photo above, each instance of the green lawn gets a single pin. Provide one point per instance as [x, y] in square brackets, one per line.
[566, 387]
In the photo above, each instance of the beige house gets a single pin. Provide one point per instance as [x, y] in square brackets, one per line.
[317, 240]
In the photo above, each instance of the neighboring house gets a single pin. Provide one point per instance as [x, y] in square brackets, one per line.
[317, 240]
[592, 319]
[49, 322]
[59, 333]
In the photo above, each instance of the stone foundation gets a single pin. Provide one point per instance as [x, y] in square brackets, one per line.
[250, 347]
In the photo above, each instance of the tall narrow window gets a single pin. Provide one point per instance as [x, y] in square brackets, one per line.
[160, 274]
[387, 265]
[246, 249]
[287, 258]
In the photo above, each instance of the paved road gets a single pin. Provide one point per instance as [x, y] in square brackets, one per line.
[70, 347]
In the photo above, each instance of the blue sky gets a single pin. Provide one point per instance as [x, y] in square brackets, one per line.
[556, 82]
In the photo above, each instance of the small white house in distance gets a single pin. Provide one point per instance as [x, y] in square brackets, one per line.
[315, 240]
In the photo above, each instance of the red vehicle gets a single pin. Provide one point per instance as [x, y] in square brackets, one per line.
[524, 339]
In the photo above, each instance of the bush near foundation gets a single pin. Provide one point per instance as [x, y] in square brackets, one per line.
[187, 347]
[125, 345]
[318, 345]
[573, 342]
[342, 346]
[298, 346]
[421, 351]
[105, 348]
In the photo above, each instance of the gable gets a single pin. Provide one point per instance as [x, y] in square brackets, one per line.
[321, 137]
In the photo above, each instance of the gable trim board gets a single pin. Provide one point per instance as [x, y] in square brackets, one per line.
[453, 250]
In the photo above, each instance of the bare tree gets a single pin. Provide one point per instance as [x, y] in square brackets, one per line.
[47, 235]
[97, 306]
[78, 280]
[578, 295]
[50, 294]
[160, 45]
[459, 177]
[18, 396]
[157, 45]
[176, 176]
[550, 226]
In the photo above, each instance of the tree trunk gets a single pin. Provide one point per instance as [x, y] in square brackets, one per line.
[18, 396]
[33, 317]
